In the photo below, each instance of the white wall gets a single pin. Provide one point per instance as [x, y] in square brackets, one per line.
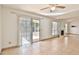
[9, 29]
[74, 30]
[45, 29]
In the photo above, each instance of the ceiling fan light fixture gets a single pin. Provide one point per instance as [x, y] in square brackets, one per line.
[53, 8]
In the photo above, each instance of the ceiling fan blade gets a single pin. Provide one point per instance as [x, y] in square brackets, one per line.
[44, 8]
[60, 7]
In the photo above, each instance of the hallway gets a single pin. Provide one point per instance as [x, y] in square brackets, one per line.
[56, 46]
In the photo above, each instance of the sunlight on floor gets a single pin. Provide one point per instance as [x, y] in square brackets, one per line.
[56, 46]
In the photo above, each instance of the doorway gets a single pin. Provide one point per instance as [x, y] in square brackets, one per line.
[35, 30]
[54, 29]
[28, 30]
[66, 29]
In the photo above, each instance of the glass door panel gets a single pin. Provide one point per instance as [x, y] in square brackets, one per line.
[54, 29]
[35, 27]
[25, 30]
[66, 29]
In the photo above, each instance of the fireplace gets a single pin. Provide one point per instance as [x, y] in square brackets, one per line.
[62, 32]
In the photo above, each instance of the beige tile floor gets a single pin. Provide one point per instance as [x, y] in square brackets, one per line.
[58, 46]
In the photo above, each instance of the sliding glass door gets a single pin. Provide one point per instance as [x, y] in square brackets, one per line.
[66, 29]
[55, 29]
[25, 30]
[28, 30]
[35, 30]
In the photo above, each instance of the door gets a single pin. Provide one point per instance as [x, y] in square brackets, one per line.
[25, 30]
[55, 29]
[35, 30]
[66, 29]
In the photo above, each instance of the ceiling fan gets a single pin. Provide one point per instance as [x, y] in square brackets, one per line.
[53, 7]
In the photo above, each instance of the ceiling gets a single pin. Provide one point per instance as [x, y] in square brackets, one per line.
[71, 10]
